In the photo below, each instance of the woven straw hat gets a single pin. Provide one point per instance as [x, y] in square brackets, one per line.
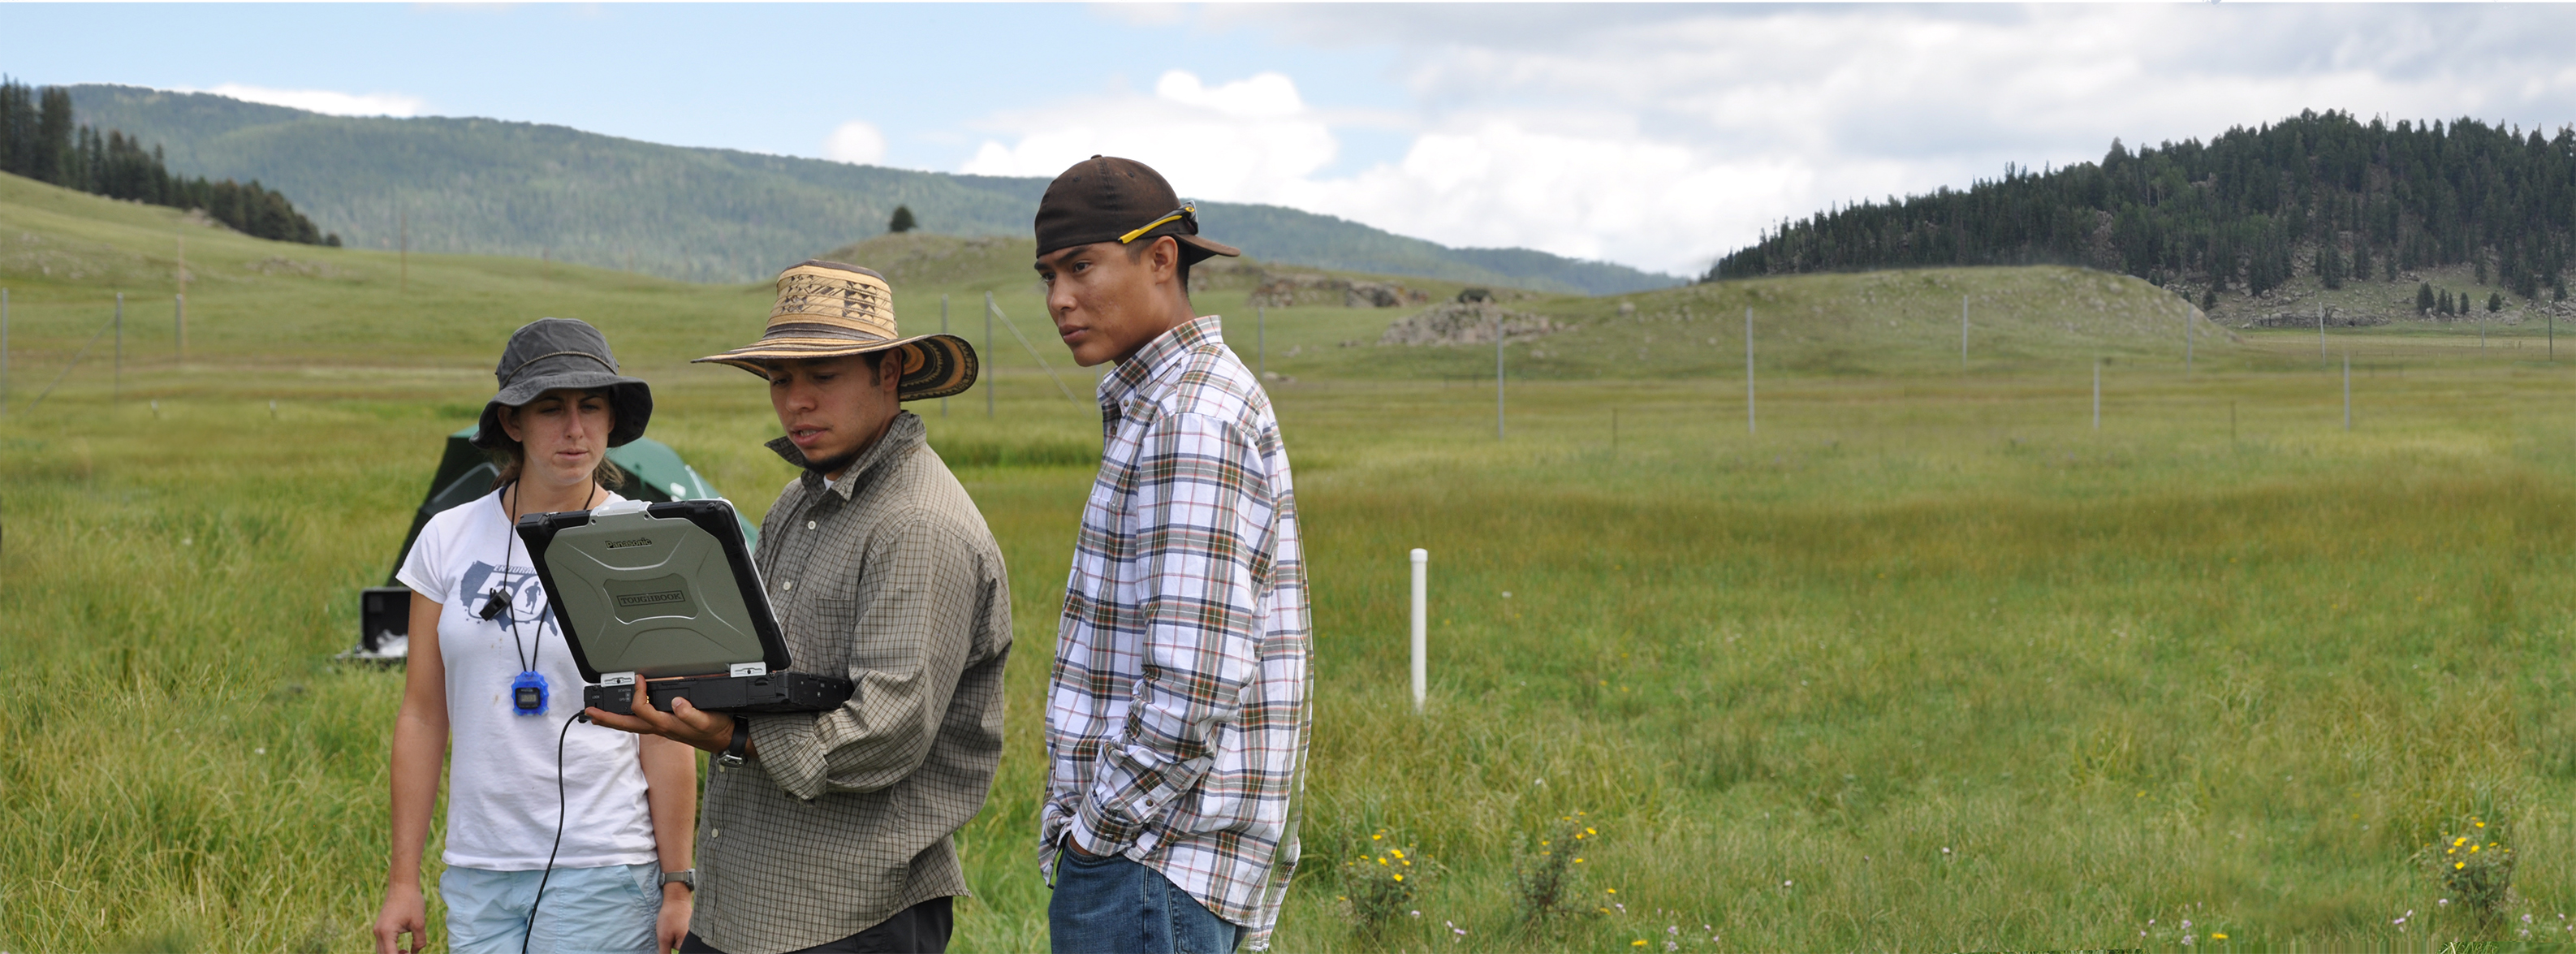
[831, 310]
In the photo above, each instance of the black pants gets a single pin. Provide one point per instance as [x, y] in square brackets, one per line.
[920, 929]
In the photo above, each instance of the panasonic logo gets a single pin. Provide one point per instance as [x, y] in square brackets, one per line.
[648, 599]
[637, 542]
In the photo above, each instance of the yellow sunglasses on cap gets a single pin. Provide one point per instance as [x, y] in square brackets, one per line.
[1188, 210]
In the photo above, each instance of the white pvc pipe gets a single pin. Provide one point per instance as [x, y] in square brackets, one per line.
[1421, 625]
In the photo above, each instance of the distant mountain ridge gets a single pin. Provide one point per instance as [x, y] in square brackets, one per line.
[2317, 194]
[485, 186]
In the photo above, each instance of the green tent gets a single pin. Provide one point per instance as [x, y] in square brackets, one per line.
[654, 472]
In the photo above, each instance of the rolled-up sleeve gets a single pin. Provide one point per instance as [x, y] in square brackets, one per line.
[912, 632]
[1203, 509]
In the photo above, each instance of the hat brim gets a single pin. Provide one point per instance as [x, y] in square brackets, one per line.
[631, 397]
[1206, 248]
[935, 365]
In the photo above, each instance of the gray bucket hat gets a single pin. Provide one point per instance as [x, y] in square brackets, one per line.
[551, 353]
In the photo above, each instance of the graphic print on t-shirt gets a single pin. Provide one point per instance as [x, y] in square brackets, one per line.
[527, 603]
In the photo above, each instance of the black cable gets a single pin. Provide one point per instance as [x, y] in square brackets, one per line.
[562, 808]
[563, 805]
[509, 545]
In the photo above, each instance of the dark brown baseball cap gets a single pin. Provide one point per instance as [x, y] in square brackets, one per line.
[1108, 199]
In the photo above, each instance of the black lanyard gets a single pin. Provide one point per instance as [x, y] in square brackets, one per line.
[501, 600]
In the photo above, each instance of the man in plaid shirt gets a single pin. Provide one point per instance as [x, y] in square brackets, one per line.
[1176, 714]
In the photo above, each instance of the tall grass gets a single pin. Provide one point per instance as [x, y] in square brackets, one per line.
[1927, 663]
[1924, 665]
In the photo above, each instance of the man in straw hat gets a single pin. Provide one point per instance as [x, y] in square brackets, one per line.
[1177, 713]
[831, 831]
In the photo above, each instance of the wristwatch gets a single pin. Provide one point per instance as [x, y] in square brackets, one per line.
[687, 879]
[731, 757]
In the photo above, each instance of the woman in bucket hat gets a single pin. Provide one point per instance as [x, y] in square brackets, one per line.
[557, 834]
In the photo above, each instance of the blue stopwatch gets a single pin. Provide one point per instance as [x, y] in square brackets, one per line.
[528, 693]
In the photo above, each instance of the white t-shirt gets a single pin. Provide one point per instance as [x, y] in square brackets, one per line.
[501, 765]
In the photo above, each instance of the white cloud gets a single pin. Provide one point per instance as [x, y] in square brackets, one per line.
[1664, 136]
[855, 141]
[1502, 184]
[1251, 140]
[1265, 96]
[323, 101]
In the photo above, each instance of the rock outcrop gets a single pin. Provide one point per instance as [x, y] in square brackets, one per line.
[1284, 289]
[1462, 322]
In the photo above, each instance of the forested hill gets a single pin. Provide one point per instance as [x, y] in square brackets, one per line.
[2318, 193]
[506, 188]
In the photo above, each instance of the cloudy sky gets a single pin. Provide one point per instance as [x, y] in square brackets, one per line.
[1659, 136]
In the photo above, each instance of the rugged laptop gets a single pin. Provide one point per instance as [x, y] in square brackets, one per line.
[667, 593]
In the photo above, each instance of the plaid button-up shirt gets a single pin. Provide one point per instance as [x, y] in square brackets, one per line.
[890, 577]
[1177, 712]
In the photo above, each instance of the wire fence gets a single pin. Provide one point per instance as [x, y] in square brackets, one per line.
[49, 345]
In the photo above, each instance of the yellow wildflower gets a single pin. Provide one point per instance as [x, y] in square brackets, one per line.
[1399, 876]
[2462, 840]
[1614, 891]
[1376, 837]
[1398, 852]
[2218, 937]
[2482, 824]
[2473, 849]
[1381, 861]
[1638, 943]
[2457, 865]
[1578, 861]
[1588, 831]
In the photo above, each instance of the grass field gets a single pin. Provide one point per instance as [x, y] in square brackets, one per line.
[1927, 662]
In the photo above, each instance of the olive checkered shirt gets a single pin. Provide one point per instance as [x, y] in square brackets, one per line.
[843, 818]
[1177, 712]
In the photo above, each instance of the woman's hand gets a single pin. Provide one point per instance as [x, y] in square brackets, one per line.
[405, 912]
[673, 925]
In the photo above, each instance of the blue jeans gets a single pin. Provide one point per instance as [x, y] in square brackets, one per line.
[1110, 905]
[585, 909]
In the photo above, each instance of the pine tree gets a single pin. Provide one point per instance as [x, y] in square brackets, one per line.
[17, 128]
[2495, 301]
[2424, 298]
[39, 140]
[52, 161]
[2329, 265]
[902, 221]
[2446, 302]
[2408, 195]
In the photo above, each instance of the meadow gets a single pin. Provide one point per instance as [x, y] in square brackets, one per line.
[1927, 661]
